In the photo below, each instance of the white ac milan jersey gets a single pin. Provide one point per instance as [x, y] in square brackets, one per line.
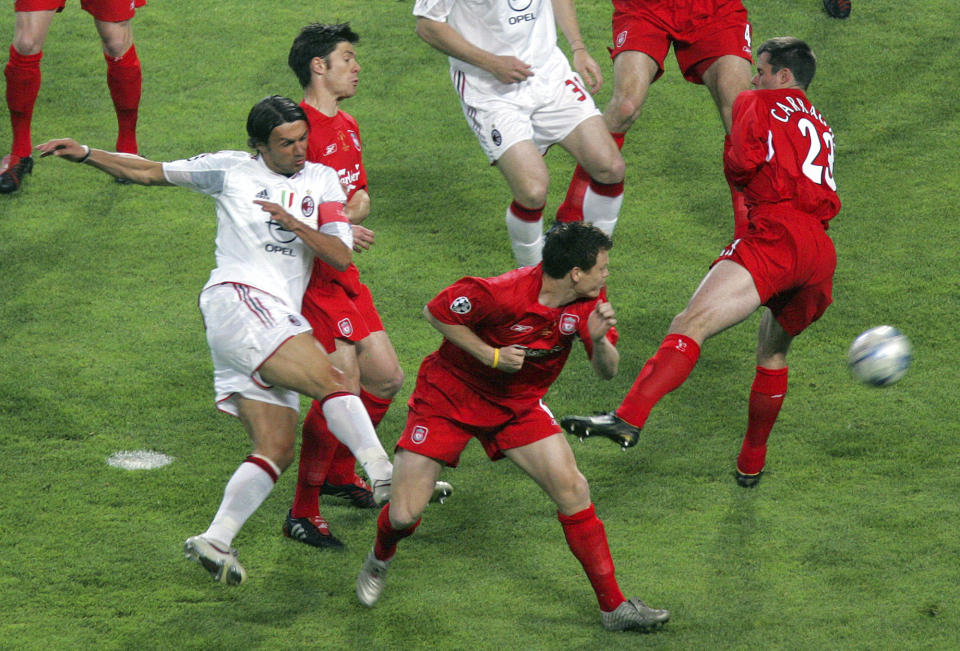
[522, 28]
[251, 248]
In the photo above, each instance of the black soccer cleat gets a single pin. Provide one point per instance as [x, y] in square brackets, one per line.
[837, 8]
[12, 176]
[358, 493]
[748, 481]
[609, 425]
[313, 531]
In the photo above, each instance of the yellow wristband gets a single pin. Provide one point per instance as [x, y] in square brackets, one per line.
[496, 358]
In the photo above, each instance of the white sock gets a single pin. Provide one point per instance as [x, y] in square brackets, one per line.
[350, 423]
[526, 238]
[601, 211]
[245, 492]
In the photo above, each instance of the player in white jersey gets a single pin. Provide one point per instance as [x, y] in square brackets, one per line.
[275, 212]
[520, 96]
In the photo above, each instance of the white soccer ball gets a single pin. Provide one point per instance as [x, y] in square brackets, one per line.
[880, 356]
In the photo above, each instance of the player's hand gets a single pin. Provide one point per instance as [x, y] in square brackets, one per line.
[278, 214]
[511, 359]
[362, 238]
[64, 148]
[510, 70]
[601, 320]
[588, 69]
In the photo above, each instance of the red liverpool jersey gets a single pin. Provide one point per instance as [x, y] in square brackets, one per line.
[780, 151]
[335, 142]
[505, 311]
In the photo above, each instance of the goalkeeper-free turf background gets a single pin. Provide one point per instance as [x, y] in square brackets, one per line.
[849, 542]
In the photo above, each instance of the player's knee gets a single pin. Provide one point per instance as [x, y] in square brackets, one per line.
[574, 493]
[389, 386]
[531, 193]
[403, 512]
[622, 113]
[27, 44]
[612, 171]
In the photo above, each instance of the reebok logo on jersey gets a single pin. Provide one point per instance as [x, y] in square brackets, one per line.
[331, 149]
[461, 305]
[518, 327]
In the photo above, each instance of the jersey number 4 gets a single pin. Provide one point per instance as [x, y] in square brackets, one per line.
[819, 174]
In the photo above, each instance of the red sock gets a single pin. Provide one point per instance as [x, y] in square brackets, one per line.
[125, 78]
[343, 469]
[387, 536]
[766, 397]
[588, 541]
[665, 371]
[316, 454]
[571, 210]
[23, 86]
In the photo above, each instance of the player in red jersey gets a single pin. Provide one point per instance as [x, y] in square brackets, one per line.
[781, 152]
[505, 341]
[337, 305]
[32, 22]
[712, 43]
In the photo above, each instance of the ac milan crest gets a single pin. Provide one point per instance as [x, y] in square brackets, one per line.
[307, 206]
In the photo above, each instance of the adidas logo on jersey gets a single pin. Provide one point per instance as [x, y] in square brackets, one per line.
[263, 194]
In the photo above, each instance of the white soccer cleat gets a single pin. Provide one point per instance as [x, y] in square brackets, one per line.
[372, 578]
[634, 615]
[441, 491]
[222, 565]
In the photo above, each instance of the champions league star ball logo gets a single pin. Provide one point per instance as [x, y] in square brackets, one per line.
[461, 305]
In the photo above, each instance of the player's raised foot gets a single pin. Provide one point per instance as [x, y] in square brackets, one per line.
[357, 492]
[609, 425]
[313, 531]
[634, 615]
[372, 578]
[222, 565]
[12, 171]
[747, 480]
[441, 491]
[838, 8]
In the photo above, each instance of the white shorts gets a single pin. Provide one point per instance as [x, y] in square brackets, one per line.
[545, 108]
[245, 326]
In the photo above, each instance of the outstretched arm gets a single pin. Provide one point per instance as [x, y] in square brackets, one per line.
[123, 166]
[507, 69]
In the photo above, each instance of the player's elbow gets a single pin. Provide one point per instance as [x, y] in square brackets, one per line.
[426, 30]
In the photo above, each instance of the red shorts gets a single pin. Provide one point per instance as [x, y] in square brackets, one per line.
[792, 265]
[336, 315]
[444, 415]
[108, 11]
[700, 34]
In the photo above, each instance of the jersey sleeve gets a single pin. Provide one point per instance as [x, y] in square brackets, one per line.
[204, 173]
[746, 149]
[466, 302]
[437, 10]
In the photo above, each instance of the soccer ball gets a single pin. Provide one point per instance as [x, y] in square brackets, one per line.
[879, 356]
